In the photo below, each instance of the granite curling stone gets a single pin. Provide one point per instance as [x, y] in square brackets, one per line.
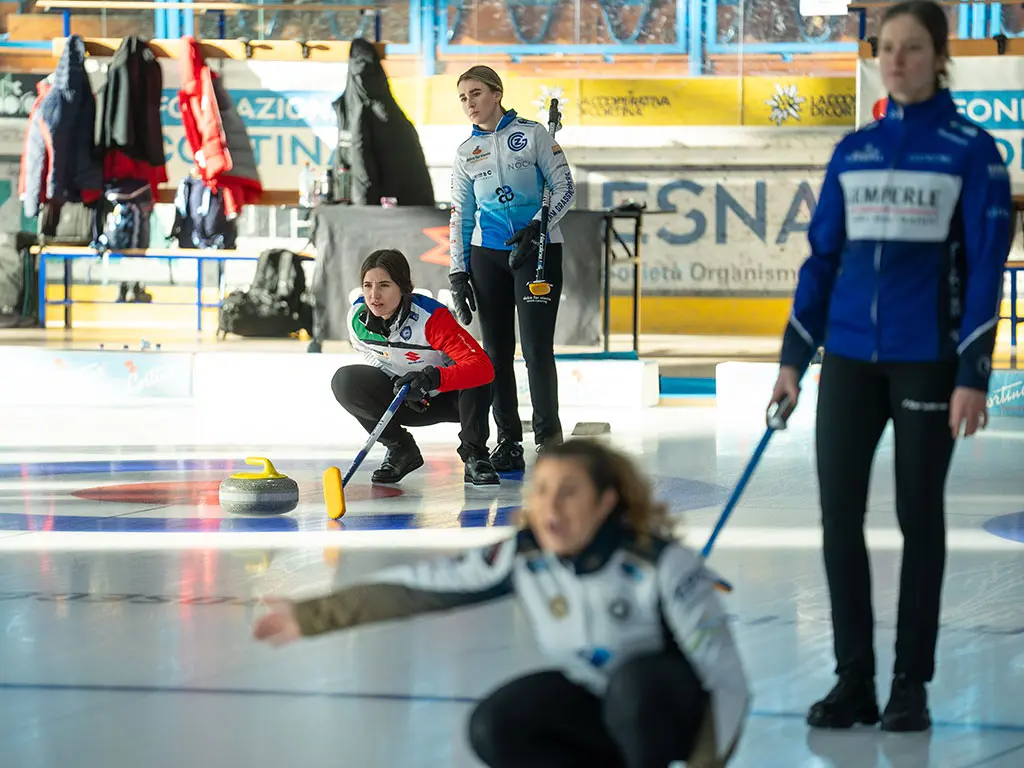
[267, 492]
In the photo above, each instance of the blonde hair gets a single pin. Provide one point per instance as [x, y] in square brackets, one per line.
[610, 469]
[485, 75]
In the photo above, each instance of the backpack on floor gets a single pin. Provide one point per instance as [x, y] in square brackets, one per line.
[199, 218]
[122, 216]
[275, 305]
[19, 281]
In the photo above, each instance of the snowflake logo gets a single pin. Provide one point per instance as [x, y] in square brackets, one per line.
[542, 102]
[785, 104]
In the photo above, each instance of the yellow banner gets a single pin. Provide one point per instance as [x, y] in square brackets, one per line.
[799, 102]
[628, 103]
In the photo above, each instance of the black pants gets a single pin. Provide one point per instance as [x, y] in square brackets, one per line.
[366, 392]
[500, 293]
[649, 716]
[855, 401]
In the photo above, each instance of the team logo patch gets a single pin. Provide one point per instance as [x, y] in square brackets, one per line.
[412, 357]
[517, 141]
[619, 609]
[631, 571]
[558, 606]
[406, 333]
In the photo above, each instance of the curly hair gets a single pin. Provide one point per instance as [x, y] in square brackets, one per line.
[609, 468]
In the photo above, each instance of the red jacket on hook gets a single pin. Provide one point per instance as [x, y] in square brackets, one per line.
[215, 132]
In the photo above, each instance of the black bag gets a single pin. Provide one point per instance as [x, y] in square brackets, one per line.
[275, 305]
[199, 218]
[122, 219]
[19, 281]
[66, 223]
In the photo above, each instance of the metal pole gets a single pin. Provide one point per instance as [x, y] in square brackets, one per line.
[608, 219]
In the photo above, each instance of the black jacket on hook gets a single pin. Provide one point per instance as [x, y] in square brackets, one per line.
[385, 156]
[128, 114]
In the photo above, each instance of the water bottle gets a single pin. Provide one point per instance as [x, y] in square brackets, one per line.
[306, 186]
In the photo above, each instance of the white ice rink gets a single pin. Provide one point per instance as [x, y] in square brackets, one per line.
[127, 596]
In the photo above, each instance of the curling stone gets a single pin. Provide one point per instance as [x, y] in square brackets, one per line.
[267, 492]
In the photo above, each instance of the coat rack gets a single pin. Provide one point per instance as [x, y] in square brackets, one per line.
[241, 49]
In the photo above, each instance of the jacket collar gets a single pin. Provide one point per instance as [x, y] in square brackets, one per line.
[383, 326]
[934, 109]
[504, 123]
[609, 537]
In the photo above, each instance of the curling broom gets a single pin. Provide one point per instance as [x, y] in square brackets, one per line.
[539, 286]
[776, 418]
[334, 484]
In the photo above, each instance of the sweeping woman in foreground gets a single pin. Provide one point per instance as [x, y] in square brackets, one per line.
[645, 668]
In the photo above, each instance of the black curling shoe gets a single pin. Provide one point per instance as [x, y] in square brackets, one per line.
[480, 471]
[850, 702]
[508, 457]
[402, 458]
[907, 709]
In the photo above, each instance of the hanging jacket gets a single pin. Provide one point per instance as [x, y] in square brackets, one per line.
[423, 333]
[215, 132]
[42, 88]
[908, 245]
[60, 159]
[622, 596]
[498, 180]
[128, 105]
[384, 156]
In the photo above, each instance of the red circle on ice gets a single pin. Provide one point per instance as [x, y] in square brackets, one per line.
[206, 493]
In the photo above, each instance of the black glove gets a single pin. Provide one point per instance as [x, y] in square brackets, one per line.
[527, 243]
[421, 383]
[462, 296]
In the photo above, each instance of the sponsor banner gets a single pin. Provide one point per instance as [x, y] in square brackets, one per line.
[989, 90]
[803, 102]
[725, 233]
[799, 102]
[697, 101]
[1006, 393]
[75, 377]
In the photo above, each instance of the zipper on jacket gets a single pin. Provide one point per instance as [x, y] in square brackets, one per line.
[497, 174]
[879, 247]
[874, 302]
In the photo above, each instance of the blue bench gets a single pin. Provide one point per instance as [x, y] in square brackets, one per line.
[68, 253]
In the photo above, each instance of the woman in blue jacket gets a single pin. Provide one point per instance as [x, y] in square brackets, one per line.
[903, 284]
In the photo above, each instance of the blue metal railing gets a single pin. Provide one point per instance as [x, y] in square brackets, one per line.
[520, 28]
[525, 29]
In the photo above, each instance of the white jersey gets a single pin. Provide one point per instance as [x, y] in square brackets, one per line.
[590, 614]
[424, 333]
[498, 181]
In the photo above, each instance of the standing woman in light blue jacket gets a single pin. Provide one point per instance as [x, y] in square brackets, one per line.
[498, 180]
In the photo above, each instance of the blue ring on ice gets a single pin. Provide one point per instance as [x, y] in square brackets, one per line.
[682, 494]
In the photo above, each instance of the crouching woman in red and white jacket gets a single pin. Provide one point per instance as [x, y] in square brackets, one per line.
[411, 339]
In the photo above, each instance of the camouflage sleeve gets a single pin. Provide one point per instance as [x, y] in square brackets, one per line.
[478, 576]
